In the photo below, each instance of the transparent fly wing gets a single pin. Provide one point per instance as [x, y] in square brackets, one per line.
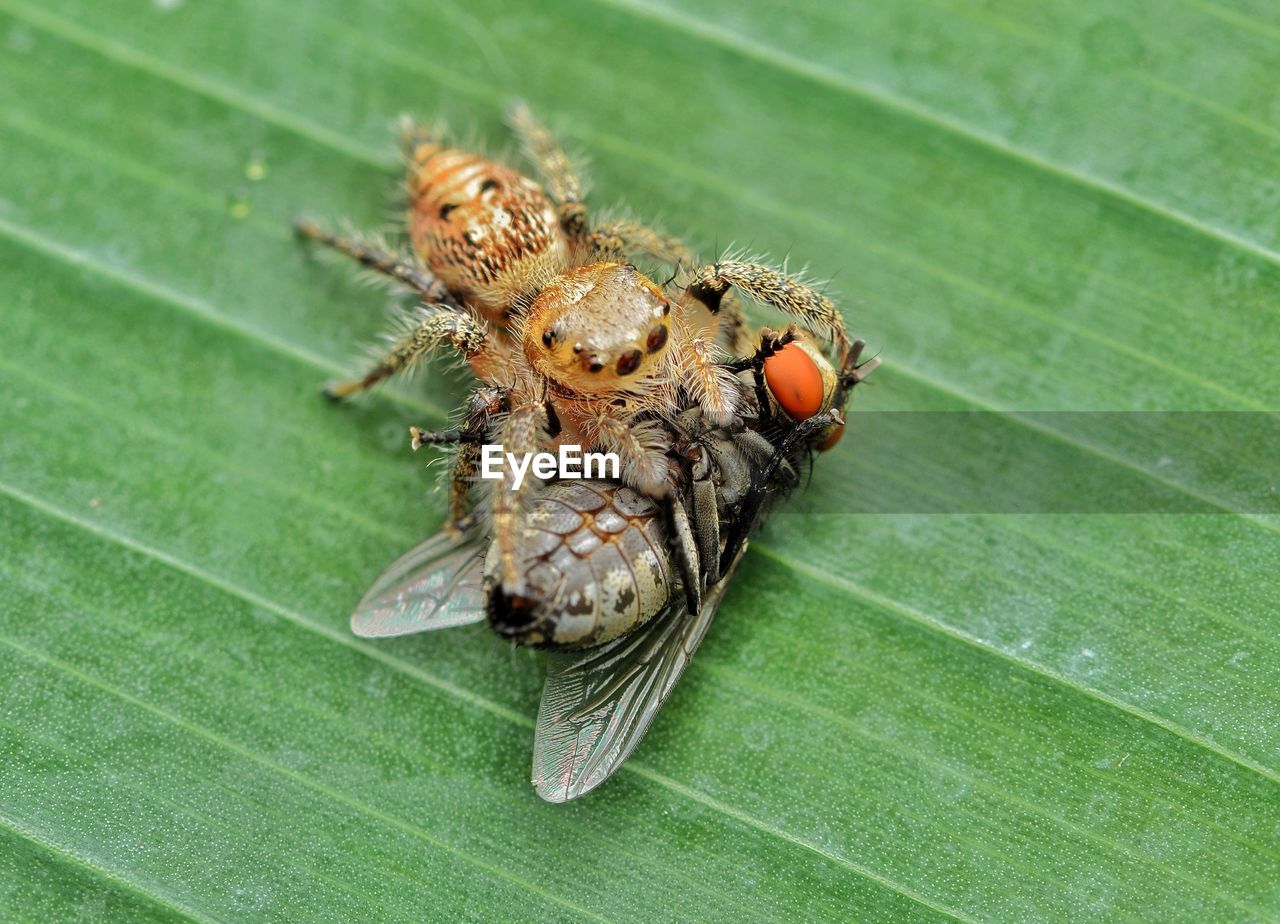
[597, 704]
[436, 585]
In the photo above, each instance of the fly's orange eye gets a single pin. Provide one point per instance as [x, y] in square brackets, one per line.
[795, 381]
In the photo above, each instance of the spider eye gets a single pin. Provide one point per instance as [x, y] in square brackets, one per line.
[629, 362]
[657, 338]
[795, 381]
[548, 338]
[445, 210]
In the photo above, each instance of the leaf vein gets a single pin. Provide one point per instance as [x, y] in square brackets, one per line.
[460, 693]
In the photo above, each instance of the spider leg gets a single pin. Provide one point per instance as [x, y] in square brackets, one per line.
[396, 266]
[622, 238]
[709, 384]
[641, 447]
[766, 285]
[414, 135]
[522, 435]
[558, 176]
[438, 324]
[733, 333]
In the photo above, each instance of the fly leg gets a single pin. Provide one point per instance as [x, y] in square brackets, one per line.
[380, 259]
[468, 439]
[853, 372]
[686, 548]
[705, 513]
[419, 438]
[462, 472]
[484, 404]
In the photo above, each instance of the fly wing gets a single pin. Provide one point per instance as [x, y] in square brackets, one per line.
[436, 585]
[597, 704]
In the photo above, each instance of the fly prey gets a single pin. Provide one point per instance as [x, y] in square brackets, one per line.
[605, 575]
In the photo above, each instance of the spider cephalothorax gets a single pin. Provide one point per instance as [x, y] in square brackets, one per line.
[601, 328]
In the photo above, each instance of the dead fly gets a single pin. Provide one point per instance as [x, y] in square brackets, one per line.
[573, 344]
[605, 576]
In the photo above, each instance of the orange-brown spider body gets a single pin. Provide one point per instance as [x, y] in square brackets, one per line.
[601, 329]
[488, 233]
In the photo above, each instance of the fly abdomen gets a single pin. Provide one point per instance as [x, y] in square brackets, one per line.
[593, 565]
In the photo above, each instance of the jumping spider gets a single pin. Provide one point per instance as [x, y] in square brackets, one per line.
[573, 342]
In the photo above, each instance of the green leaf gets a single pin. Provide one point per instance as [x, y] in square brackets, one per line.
[1055, 206]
